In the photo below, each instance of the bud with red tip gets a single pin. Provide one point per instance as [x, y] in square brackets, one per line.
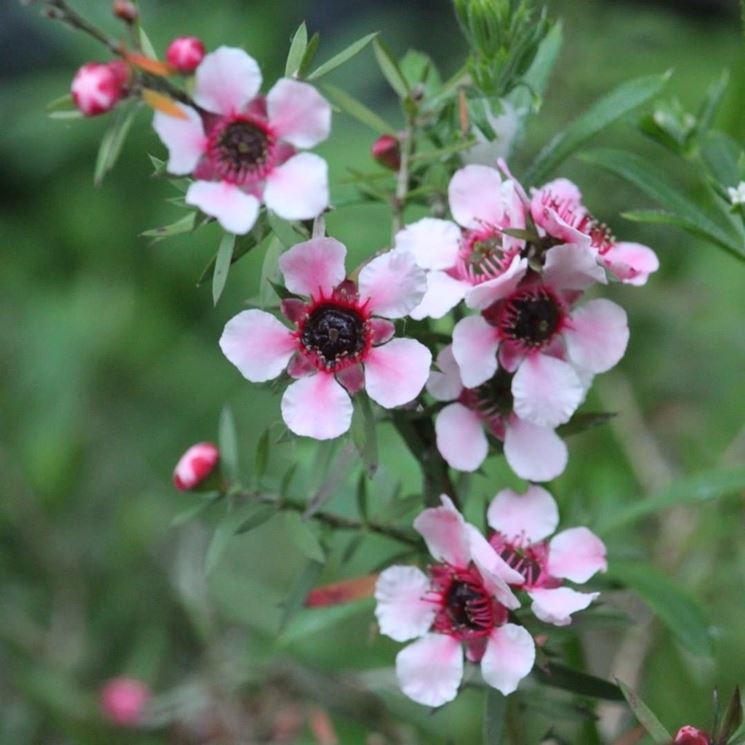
[123, 701]
[125, 11]
[387, 151]
[98, 86]
[185, 53]
[689, 735]
[195, 466]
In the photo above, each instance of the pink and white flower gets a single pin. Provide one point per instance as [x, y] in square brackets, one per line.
[558, 211]
[534, 331]
[341, 341]
[533, 452]
[461, 602]
[185, 54]
[195, 466]
[98, 86]
[471, 252]
[123, 701]
[241, 148]
[523, 523]
[690, 735]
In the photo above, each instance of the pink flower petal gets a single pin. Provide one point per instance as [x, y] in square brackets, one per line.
[445, 384]
[597, 337]
[445, 533]
[532, 516]
[226, 80]
[443, 294]
[632, 263]
[314, 267]
[572, 267]
[546, 391]
[396, 372]
[235, 210]
[495, 571]
[533, 452]
[460, 437]
[509, 657]
[556, 606]
[562, 190]
[184, 138]
[487, 293]
[352, 378]
[299, 188]
[476, 196]
[317, 407]
[430, 670]
[298, 113]
[475, 344]
[381, 330]
[576, 554]
[392, 284]
[434, 243]
[257, 344]
[401, 609]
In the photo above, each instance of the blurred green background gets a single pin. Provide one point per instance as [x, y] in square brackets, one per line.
[111, 369]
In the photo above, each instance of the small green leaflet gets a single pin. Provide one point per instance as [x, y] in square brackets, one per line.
[113, 141]
[297, 50]
[364, 434]
[63, 108]
[495, 707]
[390, 69]
[576, 681]
[228, 441]
[342, 57]
[147, 46]
[222, 265]
[284, 230]
[184, 225]
[646, 718]
[304, 537]
[357, 110]
[305, 582]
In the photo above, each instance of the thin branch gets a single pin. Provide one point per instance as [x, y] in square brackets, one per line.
[398, 203]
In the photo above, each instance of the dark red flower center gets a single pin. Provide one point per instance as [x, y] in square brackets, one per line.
[530, 317]
[334, 335]
[240, 148]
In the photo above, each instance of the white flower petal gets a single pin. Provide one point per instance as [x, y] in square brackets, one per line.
[401, 610]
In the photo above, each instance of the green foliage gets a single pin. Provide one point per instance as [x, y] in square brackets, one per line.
[659, 735]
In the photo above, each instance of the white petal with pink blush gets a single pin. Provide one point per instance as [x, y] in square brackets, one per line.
[434, 243]
[475, 344]
[533, 452]
[313, 267]
[572, 267]
[402, 611]
[226, 80]
[445, 533]
[460, 438]
[317, 406]
[495, 571]
[184, 138]
[487, 293]
[443, 294]
[430, 670]
[576, 554]
[632, 263]
[257, 344]
[299, 188]
[235, 210]
[533, 515]
[396, 372]
[392, 284]
[509, 657]
[476, 196]
[597, 335]
[298, 113]
[444, 384]
[556, 606]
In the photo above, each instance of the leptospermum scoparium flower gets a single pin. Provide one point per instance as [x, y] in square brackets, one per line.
[241, 147]
[341, 342]
[98, 86]
[533, 452]
[195, 466]
[530, 325]
[523, 523]
[472, 251]
[461, 602]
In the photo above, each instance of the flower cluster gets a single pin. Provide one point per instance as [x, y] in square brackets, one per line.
[462, 604]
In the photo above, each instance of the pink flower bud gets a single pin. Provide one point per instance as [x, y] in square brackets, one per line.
[124, 10]
[123, 700]
[185, 53]
[689, 735]
[97, 86]
[195, 466]
[387, 151]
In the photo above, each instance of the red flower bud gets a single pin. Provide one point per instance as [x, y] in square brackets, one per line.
[124, 10]
[689, 735]
[97, 86]
[195, 466]
[387, 151]
[185, 53]
[123, 701]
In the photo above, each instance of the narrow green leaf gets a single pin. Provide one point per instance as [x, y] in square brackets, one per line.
[261, 514]
[228, 441]
[190, 513]
[679, 612]
[320, 619]
[304, 583]
[711, 103]
[297, 50]
[699, 488]
[576, 681]
[364, 434]
[586, 420]
[303, 537]
[284, 230]
[243, 244]
[147, 45]
[419, 69]
[184, 225]
[722, 155]
[495, 708]
[309, 56]
[113, 141]
[732, 720]
[343, 56]
[63, 108]
[335, 475]
[222, 265]
[357, 110]
[262, 456]
[646, 718]
[390, 69]
[608, 109]
[362, 497]
[240, 520]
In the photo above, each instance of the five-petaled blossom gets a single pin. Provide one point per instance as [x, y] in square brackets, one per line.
[123, 701]
[462, 601]
[241, 147]
[98, 86]
[533, 452]
[690, 735]
[341, 341]
[471, 252]
[195, 466]
[522, 525]
[530, 326]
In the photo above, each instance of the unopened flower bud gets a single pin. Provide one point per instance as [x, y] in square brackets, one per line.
[689, 735]
[98, 86]
[195, 466]
[387, 151]
[125, 10]
[123, 701]
[185, 53]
